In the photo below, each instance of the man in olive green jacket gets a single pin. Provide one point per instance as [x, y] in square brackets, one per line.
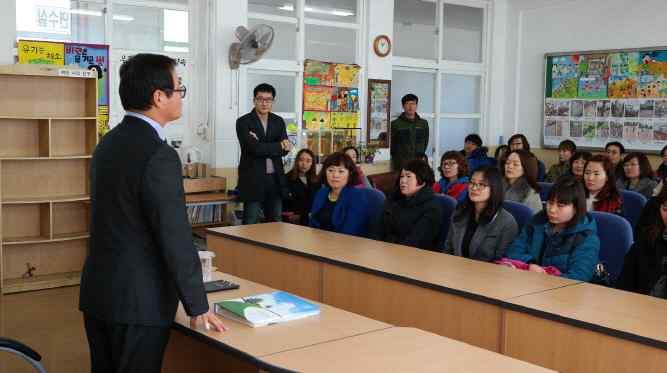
[409, 133]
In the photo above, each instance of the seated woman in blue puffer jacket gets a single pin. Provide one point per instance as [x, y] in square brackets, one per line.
[563, 235]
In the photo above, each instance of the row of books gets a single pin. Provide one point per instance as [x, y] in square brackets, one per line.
[206, 214]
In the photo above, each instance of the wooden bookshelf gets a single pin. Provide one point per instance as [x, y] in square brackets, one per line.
[209, 191]
[48, 131]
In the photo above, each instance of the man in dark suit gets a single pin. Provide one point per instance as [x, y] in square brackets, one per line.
[263, 139]
[142, 260]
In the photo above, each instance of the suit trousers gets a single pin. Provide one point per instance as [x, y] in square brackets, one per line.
[116, 348]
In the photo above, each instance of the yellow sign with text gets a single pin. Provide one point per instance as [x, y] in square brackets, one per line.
[41, 52]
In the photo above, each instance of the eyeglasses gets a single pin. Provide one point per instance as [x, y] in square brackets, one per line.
[182, 90]
[478, 186]
[449, 164]
[263, 100]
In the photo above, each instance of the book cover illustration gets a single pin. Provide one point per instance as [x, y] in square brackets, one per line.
[267, 308]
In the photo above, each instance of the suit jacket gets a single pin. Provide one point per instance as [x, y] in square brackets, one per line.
[351, 214]
[254, 152]
[141, 259]
[490, 240]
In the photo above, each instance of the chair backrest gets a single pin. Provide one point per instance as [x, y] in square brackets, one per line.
[633, 204]
[521, 213]
[448, 206]
[375, 202]
[384, 182]
[545, 188]
[615, 235]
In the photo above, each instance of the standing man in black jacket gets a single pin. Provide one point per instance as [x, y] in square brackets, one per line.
[263, 139]
[142, 260]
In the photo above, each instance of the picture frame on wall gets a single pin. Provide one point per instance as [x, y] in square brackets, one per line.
[379, 110]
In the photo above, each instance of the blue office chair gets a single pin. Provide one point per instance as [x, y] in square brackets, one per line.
[633, 204]
[545, 188]
[521, 213]
[615, 235]
[448, 206]
[27, 353]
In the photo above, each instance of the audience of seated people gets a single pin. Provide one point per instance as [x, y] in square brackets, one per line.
[637, 175]
[578, 162]
[520, 179]
[599, 181]
[303, 183]
[454, 176]
[615, 151]
[411, 216]
[361, 180]
[481, 228]
[520, 142]
[476, 153]
[566, 150]
[562, 237]
[645, 267]
[339, 206]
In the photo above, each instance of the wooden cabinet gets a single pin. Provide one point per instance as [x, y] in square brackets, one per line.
[48, 133]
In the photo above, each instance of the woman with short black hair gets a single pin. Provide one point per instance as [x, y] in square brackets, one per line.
[411, 216]
[481, 228]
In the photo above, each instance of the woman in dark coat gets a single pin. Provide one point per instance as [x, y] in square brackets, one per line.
[646, 262]
[413, 215]
[303, 183]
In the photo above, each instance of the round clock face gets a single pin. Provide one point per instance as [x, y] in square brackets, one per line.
[382, 45]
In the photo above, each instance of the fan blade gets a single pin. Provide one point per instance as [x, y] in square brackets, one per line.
[235, 55]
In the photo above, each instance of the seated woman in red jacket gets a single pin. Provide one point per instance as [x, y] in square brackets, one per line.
[454, 171]
[600, 183]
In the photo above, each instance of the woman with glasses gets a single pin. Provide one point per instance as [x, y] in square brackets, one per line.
[454, 182]
[521, 179]
[599, 181]
[481, 228]
[637, 175]
[645, 267]
[411, 216]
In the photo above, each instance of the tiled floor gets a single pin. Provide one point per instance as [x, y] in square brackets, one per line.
[48, 321]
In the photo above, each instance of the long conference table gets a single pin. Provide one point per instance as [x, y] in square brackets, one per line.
[333, 341]
[560, 324]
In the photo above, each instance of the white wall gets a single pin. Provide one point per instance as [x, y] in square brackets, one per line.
[577, 25]
[7, 31]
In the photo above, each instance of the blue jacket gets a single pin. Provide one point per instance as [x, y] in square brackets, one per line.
[573, 251]
[479, 159]
[457, 189]
[351, 214]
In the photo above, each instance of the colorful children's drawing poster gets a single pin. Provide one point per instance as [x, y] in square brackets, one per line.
[344, 120]
[318, 73]
[623, 74]
[345, 99]
[346, 75]
[41, 52]
[316, 120]
[592, 70]
[564, 77]
[95, 58]
[317, 98]
[653, 74]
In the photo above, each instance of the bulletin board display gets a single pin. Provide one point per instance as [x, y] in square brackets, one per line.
[600, 96]
[330, 105]
[94, 57]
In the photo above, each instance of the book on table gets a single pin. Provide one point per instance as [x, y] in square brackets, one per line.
[268, 308]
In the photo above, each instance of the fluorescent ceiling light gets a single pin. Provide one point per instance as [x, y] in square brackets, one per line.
[97, 13]
[173, 48]
[123, 18]
[86, 12]
[310, 9]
